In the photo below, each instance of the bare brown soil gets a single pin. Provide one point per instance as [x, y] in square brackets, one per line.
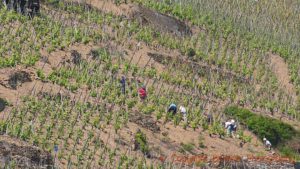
[145, 16]
[281, 70]
[205, 69]
[144, 121]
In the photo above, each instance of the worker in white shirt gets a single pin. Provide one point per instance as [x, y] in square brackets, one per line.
[267, 144]
[183, 112]
[231, 127]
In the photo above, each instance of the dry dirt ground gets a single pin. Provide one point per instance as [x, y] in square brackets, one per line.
[280, 68]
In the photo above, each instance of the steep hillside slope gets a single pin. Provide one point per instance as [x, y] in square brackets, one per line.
[60, 84]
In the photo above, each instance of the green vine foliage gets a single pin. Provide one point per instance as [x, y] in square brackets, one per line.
[141, 139]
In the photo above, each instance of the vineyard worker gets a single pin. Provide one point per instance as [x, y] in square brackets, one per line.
[210, 119]
[15, 4]
[8, 3]
[5, 3]
[183, 112]
[123, 83]
[22, 6]
[267, 144]
[34, 7]
[227, 124]
[230, 126]
[234, 126]
[142, 93]
[172, 108]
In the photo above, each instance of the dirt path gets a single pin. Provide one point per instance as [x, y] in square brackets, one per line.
[281, 70]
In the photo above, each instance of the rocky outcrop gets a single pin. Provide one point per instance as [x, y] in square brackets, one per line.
[145, 122]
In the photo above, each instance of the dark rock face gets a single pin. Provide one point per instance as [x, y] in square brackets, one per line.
[24, 156]
[161, 22]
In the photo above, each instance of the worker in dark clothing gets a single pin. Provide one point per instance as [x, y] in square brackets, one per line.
[11, 4]
[34, 7]
[123, 83]
[172, 108]
[22, 6]
[7, 3]
[14, 4]
[209, 119]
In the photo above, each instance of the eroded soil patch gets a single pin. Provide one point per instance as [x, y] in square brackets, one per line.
[15, 78]
[145, 122]
[161, 22]
[281, 70]
[145, 16]
[24, 156]
[202, 68]
[75, 57]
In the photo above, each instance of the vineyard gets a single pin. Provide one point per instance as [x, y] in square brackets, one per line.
[60, 85]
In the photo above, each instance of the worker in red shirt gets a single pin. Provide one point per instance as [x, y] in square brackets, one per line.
[142, 93]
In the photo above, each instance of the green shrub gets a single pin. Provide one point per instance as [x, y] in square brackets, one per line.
[141, 140]
[274, 130]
